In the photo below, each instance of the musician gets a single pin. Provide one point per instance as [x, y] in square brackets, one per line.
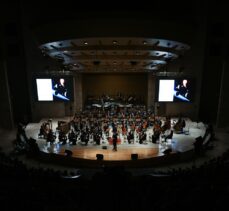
[169, 136]
[51, 137]
[42, 132]
[72, 137]
[142, 137]
[97, 138]
[156, 136]
[84, 137]
[44, 129]
[167, 125]
[115, 138]
[180, 124]
[62, 137]
[130, 136]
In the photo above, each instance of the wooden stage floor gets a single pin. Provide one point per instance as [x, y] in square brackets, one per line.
[108, 154]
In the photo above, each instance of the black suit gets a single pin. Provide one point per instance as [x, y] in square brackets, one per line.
[115, 137]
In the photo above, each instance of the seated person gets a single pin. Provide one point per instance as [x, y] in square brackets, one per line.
[51, 137]
[41, 133]
[72, 137]
[142, 137]
[97, 138]
[62, 137]
[170, 136]
[156, 136]
[167, 125]
[44, 130]
[180, 124]
[84, 137]
[130, 136]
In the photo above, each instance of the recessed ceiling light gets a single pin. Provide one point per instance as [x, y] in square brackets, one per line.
[144, 42]
[85, 43]
[115, 42]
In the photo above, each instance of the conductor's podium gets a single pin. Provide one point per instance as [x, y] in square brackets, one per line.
[110, 140]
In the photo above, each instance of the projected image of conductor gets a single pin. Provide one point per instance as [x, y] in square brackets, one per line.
[182, 91]
[60, 89]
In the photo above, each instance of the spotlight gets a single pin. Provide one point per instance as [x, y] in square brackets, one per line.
[85, 43]
[144, 42]
[115, 42]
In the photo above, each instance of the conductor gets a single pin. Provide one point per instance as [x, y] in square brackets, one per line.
[115, 137]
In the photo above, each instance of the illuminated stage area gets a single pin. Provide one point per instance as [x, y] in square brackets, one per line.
[180, 143]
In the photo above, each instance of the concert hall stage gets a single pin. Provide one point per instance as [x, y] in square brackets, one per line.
[180, 144]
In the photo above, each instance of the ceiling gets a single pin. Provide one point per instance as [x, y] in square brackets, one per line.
[114, 54]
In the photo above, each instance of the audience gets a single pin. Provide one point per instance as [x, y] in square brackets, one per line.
[204, 187]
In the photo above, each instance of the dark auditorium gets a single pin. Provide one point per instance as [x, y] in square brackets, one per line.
[107, 107]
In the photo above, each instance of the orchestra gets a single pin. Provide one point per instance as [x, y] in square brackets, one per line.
[99, 126]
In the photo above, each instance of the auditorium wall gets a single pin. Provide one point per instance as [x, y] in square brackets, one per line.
[6, 112]
[223, 112]
[111, 84]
